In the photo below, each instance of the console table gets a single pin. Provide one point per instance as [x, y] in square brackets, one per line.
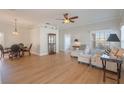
[105, 58]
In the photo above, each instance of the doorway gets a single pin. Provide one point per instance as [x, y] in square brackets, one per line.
[51, 43]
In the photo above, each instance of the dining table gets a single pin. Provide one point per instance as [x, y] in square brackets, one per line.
[21, 52]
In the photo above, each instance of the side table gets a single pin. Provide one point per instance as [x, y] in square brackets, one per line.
[105, 58]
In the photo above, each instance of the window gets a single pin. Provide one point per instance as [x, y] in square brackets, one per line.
[100, 38]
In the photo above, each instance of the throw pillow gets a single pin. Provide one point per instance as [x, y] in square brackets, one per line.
[120, 53]
[107, 51]
[114, 51]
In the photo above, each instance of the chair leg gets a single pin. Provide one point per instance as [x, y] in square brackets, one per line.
[23, 53]
[29, 53]
[3, 55]
[12, 56]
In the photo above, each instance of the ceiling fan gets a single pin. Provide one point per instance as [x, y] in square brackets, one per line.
[68, 19]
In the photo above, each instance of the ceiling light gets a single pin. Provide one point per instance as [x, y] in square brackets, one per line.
[66, 21]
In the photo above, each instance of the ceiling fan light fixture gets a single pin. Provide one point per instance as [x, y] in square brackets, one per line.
[66, 21]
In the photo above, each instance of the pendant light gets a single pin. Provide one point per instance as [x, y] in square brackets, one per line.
[15, 32]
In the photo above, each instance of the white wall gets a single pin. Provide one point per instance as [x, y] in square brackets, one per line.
[35, 40]
[122, 37]
[39, 38]
[83, 32]
[122, 29]
[44, 39]
[9, 38]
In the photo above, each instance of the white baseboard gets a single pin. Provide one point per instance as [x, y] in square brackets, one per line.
[35, 53]
[61, 50]
[42, 54]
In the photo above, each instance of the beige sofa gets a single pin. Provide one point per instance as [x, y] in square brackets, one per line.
[95, 60]
[85, 58]
[77, 52]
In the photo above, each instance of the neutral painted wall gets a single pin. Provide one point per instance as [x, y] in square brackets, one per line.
[122, 29]
[83, 32]
[9, 38]
[35, 40]
[39, 39]
[44, 39]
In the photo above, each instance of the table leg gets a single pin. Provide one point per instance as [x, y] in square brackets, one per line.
[118, 72]
[104, 70]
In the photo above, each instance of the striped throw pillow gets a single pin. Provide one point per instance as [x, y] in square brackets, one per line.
[107, 51]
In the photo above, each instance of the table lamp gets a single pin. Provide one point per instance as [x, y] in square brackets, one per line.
[113, 38]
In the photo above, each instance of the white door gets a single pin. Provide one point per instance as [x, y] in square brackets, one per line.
[67, 42]
[122, 37]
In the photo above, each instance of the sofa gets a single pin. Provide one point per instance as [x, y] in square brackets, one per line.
[84, 58]
[75, 53]
[93, 58]
[96, 61]
[78, 51]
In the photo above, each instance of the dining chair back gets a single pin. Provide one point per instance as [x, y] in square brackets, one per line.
[15, 51]
[28, 49]
[2, 51]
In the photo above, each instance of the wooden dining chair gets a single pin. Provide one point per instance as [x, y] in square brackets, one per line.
[28, 49]
[15, 51]
[3, 51]
[21, 45]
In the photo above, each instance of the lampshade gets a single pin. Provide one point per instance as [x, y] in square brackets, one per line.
[113, 38]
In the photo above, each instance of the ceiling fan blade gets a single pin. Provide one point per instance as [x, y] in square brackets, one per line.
[71, 21]
[59, 19]
[73, 17]
[66, 15]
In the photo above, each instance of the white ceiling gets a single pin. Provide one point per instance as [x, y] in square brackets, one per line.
[31, 17]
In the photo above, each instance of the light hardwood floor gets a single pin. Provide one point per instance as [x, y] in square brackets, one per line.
[59, 68]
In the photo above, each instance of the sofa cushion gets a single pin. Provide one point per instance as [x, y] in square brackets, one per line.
[120, 53]
[114, 51]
